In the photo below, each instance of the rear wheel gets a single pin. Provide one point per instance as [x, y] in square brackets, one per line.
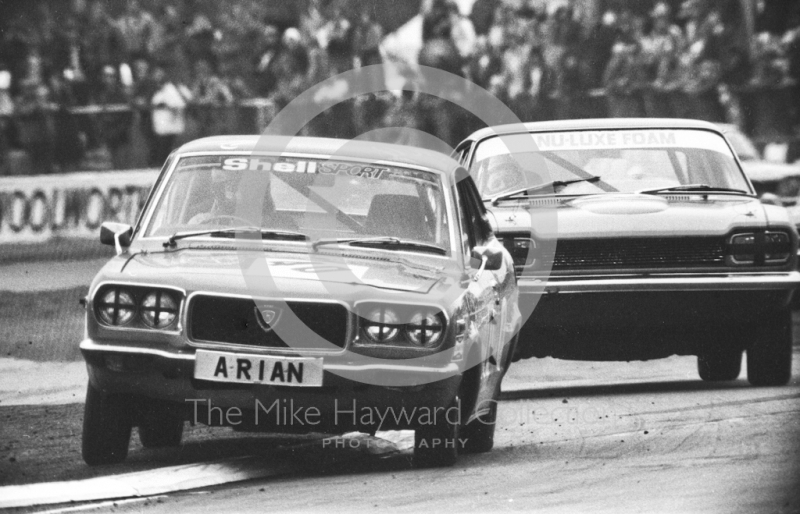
[436, 445]
[160, 427]
[769, 358]
[106, 428]
[720, 364]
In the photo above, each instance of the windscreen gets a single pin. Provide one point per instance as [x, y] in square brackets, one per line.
[321, 199]
[607, 161]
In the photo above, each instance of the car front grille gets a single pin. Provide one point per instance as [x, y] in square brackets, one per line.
[579, 254]
[219, 319]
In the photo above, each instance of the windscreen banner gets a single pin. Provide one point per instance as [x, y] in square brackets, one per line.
[37, 208]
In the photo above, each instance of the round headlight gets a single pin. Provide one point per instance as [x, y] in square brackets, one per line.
[159, 309]
[425, 329]
[381, 325]
[116, 307]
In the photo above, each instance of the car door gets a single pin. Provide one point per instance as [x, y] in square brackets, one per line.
[492, 293]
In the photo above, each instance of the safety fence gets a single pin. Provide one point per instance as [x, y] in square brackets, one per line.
[53, 140]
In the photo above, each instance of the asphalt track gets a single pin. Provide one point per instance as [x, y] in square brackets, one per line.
[601, 440]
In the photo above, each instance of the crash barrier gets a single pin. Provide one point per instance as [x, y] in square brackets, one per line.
[52, 139]
[37, 208]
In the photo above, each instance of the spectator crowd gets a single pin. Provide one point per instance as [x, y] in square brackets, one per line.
[84, 76]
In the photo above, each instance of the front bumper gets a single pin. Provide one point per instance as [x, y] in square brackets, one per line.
[767, 281]
[634, 317]
[344, 403]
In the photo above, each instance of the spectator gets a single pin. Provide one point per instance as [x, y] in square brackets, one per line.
[169, 41]
[462, 32]
[435, 20]
[337, 39]
[403, 119]
[266, 78]
[209, 91]
[700, 85]
[169, 113]
[200, 39]
[623, 80]
[36, 124]
[69, 144]
[115, 124]
[485, 63]
[208, 88]
[482, 15]
[657, 47]
[102, 45]
[291, 67]
[367, 37]
[571, 86]
[6, 112]
[137, 28]
[599, 46]
[144, 87]
[534, 102]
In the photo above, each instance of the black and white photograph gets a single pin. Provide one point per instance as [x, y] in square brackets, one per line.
[400, 256]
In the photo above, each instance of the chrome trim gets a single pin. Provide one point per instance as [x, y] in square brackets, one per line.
[180, 318]
[775, 281]
[90, 346]
[450, 369]
[213, 345]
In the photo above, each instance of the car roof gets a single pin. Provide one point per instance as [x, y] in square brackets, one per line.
[593, 124]
[324, 147]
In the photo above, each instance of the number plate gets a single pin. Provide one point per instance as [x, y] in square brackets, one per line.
[242, 368]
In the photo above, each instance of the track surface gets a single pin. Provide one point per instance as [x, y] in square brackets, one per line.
[665, 443]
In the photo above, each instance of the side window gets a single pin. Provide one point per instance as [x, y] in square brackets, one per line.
[461, 154]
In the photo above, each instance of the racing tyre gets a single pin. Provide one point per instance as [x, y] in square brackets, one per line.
[769, 358]
[160, 428]
[478, 435]
[106, 428]
[437, 445]
[720, 365]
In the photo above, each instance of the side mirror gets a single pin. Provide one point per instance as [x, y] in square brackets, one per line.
[493, 257]
[117, 234]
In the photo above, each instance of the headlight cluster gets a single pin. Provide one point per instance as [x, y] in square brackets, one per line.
[417, 327]
[119, 306]
[758, 248]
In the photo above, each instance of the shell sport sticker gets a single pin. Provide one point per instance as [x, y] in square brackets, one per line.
[311, 167]
[325, 168]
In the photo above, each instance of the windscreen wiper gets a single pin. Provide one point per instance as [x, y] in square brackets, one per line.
[689, 188]
[265, 233]
[547, 185]
[389, 242]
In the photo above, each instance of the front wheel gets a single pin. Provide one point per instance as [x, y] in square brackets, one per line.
[436, 444]
[106, 428]
[769, 358]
